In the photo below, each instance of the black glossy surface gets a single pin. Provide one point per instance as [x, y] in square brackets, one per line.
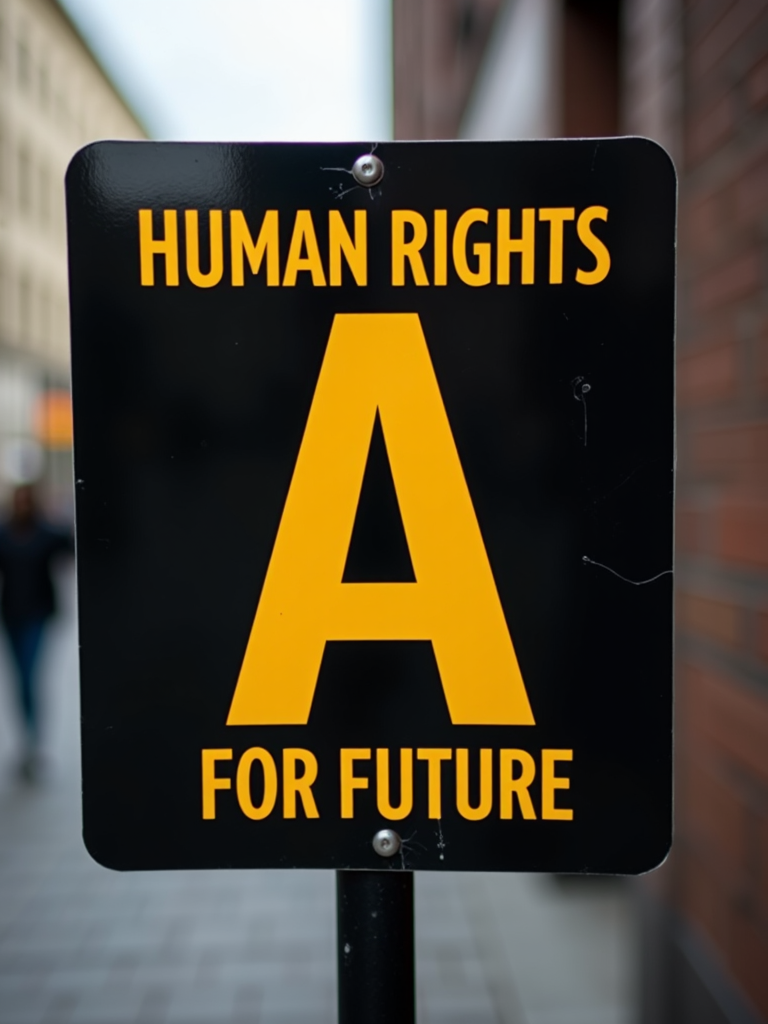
[375, 943]
[189, 410]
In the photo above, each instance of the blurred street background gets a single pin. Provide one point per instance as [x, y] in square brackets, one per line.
[685, 945]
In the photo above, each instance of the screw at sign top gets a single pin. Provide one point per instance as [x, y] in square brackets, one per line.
[386, 842]
[368, 170]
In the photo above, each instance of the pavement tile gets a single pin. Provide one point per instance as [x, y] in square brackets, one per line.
[107, 1006]
[26, 1014]
[21, 1001]
[200, 1003]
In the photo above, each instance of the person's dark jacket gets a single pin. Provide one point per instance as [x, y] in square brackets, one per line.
[26, 556]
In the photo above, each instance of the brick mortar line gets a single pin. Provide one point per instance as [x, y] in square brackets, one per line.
[710, 578]
[710, 656]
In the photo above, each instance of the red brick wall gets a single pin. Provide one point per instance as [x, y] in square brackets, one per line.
[720, 870]
[437, 47]
[718, 874]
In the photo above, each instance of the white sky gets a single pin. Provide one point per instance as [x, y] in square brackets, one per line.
[248, 70]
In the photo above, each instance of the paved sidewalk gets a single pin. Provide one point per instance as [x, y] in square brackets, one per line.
[83, 945]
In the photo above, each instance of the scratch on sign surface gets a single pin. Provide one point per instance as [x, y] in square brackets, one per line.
[635, 583]
[343, 191]
[339, 190]
[580, 390]
[440, 840]
[406, 845]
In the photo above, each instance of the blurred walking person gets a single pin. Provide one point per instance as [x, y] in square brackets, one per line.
[28, 548]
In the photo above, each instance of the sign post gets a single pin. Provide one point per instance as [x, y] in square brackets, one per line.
[374, 482]
[375, 947]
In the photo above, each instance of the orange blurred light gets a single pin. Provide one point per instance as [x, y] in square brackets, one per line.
[53, 418]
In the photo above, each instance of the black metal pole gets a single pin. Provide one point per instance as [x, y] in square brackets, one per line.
[375, 947]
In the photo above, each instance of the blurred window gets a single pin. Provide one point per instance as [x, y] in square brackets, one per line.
[62, 114]
[25, 181]
[23, 62]
[59, 207]
[44, 83]
[45, 318]
[3, 301]
[44, 190]
[61, 333]
[25, 307]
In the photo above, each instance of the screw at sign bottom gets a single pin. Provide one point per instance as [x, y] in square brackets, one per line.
[375, 947]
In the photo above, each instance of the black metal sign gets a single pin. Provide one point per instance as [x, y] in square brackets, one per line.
[374, 475]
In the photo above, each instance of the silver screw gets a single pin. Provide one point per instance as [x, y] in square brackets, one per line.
[386, 842]
[368, 170]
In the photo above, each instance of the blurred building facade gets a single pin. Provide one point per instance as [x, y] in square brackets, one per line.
[437, 48]
[693, 74]
[54, 98]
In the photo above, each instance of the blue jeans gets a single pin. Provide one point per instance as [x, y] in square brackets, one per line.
[25, 638]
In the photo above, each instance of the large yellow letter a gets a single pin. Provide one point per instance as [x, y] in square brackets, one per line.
[379, 361]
